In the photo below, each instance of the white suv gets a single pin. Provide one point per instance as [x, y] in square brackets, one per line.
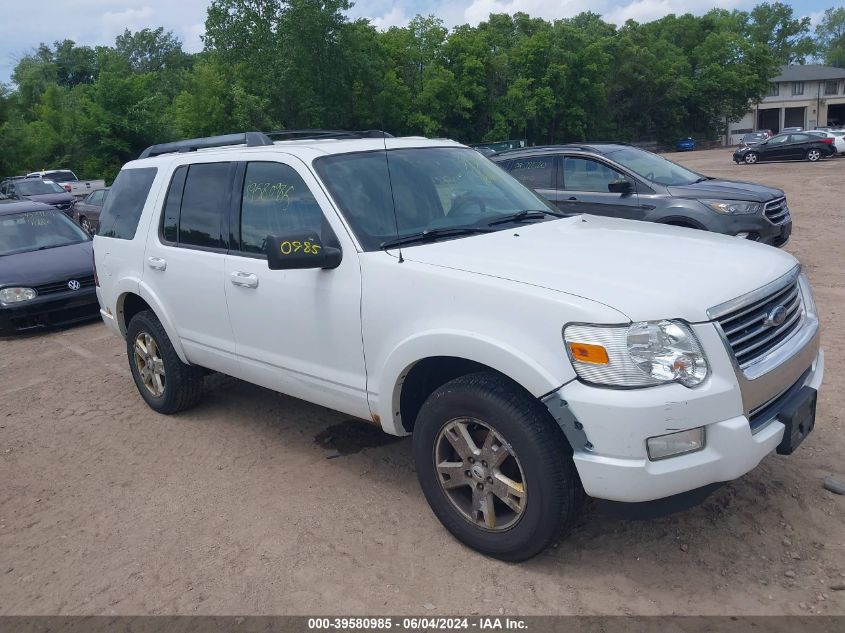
[413, 283]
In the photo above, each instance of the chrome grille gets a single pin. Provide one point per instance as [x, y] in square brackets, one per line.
[776, 211]
[748, 330]
[61, 286]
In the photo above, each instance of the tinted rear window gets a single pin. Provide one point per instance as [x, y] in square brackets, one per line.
[122, 211]
[204, 202]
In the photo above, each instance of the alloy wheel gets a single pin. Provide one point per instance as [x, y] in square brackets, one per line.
[751, 158]
[149, 364]
[813, 155]
[480, 474]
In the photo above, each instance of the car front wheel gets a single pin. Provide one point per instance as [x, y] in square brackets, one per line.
[495, 467]
[750, 158]
[813, 155]
[165, 383]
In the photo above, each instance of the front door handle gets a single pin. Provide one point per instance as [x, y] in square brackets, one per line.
[156, 263]
[572, 199]
[244, 280]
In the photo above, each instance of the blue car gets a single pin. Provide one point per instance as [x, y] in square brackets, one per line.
[685, 145]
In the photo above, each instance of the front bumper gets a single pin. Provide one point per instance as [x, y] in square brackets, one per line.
[54, 310]
[608, 429]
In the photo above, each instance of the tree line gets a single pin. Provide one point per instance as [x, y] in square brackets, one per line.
[285, 64]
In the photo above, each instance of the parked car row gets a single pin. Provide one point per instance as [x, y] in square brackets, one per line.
[69, 182]
[85, 210]
[796, 145]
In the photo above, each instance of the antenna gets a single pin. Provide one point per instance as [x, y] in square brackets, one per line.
[392, 197]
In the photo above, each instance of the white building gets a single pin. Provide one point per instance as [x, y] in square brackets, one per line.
[800, 96]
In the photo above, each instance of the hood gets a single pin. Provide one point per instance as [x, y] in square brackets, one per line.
[51, 198]
[644, 270]
[48, 266]
[727, 190]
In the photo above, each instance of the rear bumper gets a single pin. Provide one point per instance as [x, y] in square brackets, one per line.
[54, 310]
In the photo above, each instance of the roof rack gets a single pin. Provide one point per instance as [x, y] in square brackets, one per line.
[327, 134]
[254, 139]
[250, 139]
[585, 145]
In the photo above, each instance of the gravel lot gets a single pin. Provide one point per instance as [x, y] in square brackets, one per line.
[255, 503]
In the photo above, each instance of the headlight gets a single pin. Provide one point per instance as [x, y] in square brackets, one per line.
[807, 295]
[734, 207]
[638, 355]
[16, 295]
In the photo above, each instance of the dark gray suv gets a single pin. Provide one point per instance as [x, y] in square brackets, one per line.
[626, 182]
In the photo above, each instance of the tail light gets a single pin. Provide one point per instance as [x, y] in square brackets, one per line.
[827, 140]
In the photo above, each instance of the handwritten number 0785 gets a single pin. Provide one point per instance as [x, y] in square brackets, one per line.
[290, 247]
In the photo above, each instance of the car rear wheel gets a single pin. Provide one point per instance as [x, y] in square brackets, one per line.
[165, 383]
[813, 155]
[750, 158]
[495, 467]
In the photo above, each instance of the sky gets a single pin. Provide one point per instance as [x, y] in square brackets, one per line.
[97, 22]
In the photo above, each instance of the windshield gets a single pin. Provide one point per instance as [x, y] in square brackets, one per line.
[37, 230]
[432, 188]
[37, 187]
[654, 168]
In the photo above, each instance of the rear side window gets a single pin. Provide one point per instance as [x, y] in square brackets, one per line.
[120, 215]
[536, 172]
[196, 206]
[204, 202]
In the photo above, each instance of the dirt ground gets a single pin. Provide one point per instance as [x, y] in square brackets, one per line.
[256, 503]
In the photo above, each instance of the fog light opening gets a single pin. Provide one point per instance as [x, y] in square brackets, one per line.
[674, 444]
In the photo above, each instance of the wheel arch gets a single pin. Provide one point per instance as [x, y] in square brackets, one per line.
[130, 303]
[675, 219]
[422, 365]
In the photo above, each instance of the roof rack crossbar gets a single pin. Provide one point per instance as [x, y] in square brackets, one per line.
[250, 139]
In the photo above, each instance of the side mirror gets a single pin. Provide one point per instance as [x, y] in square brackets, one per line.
[620, 186]
[300, 250]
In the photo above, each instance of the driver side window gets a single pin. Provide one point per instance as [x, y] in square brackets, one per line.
[584, 174]
[275, 201]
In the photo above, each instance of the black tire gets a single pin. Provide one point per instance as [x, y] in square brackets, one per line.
[182, 387]
[554, 495]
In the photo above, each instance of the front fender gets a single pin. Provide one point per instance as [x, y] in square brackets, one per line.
[509, 361]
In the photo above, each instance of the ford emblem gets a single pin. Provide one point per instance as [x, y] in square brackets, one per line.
[74, 285]
[776, 316]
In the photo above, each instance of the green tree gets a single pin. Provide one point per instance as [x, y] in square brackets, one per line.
[787, 37]
[830, 37]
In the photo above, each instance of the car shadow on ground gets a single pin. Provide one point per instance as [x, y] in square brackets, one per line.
[718, 528]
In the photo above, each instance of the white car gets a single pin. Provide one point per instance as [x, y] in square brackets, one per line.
[413, 283]
[838, 137]
[69, 182]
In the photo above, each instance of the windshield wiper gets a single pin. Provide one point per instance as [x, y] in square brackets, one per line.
[433, 234]
[519, 216]
[702, 179]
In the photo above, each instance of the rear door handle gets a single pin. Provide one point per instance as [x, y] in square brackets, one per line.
[156, 263]
[244, 280]
[572, 199]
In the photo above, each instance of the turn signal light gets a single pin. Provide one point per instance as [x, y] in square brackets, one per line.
[589, 353]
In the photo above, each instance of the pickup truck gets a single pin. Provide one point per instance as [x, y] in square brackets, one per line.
[69, 182]
[533, 358]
